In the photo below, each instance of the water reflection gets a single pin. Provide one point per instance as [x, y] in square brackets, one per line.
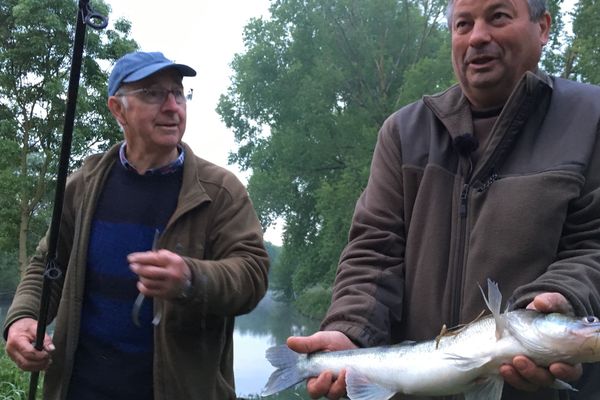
[269, 324]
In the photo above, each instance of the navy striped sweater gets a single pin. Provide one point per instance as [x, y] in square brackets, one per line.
[114, 357]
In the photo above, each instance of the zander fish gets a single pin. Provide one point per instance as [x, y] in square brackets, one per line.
[464, 361]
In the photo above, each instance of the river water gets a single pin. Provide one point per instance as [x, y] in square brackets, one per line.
[269, 324]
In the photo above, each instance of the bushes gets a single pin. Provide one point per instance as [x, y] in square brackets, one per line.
[314, 301]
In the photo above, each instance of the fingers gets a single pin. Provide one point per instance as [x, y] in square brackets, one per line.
[338, 388]
[161, 273]
[31, 360]
[145, 257]
[551, 302]
[319, 386]
[525, 375]
[20, 348]
[320, 341]
[326, 385]
[307, 344]
[48, 345]
[151, 283]
[566, 372]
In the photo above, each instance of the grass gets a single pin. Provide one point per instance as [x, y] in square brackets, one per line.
[14, 383]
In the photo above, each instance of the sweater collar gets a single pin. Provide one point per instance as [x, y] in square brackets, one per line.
[171, 167]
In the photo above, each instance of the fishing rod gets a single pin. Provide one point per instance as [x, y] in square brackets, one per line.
[85, 16]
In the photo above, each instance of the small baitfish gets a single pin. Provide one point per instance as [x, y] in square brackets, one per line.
[465, 361]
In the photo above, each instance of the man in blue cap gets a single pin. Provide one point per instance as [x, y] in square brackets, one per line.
[145, 220]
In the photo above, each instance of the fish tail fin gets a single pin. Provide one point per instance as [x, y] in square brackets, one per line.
[493, 301]
[287, 373]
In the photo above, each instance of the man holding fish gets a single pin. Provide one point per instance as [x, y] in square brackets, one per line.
[497, 177]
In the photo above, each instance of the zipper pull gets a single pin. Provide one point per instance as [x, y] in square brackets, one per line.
[464, 196]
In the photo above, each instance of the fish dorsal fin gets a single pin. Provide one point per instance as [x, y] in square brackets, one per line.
[488, 389]
[359, 387]
[493, 301]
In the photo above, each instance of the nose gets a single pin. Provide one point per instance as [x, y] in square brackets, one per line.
[170, 103]
[480, 34]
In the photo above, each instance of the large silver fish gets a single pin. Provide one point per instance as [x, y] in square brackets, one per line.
[465, 361]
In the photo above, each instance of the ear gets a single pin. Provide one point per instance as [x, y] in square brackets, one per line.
[117, 109]
[545, 23]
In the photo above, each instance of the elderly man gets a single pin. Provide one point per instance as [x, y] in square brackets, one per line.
[497, 177]
[147, 218]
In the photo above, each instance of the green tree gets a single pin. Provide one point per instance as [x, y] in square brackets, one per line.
[574, 53]
[584, 49]
[36, 38]
[322, 75]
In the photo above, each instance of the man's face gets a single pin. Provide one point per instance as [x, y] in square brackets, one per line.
[494, 43]
[149, 124]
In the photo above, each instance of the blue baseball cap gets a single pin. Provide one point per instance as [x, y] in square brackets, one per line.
[138, 65]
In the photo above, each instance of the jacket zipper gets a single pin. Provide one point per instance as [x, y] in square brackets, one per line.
[464, 195]
[487, 175]
[464, 198]
[458, 277]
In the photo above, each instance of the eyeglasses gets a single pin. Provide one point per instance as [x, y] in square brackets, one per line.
[156, 95]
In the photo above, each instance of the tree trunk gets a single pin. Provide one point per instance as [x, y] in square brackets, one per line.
[23, 229]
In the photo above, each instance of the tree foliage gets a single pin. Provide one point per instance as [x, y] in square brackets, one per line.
[307, 97]
[36, 40]
[574, 48]
[584, 46]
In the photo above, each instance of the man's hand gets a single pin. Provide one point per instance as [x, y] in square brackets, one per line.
[523, 374]
[20, 346]
[325, 384]
[162, 273]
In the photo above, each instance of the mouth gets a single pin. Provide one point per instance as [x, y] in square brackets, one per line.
[168, 125]
[480, 60]
[482, 57]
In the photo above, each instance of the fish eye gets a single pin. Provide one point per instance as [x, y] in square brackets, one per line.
[590, 319]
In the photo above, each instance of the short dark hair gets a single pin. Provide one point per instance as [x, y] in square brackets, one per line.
[537, 8]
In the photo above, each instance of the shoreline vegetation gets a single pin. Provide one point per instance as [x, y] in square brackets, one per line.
[14, 383]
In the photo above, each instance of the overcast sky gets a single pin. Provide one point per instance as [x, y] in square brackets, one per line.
[204, 34]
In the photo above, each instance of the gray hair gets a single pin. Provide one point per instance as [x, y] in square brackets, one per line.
[537, 8]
